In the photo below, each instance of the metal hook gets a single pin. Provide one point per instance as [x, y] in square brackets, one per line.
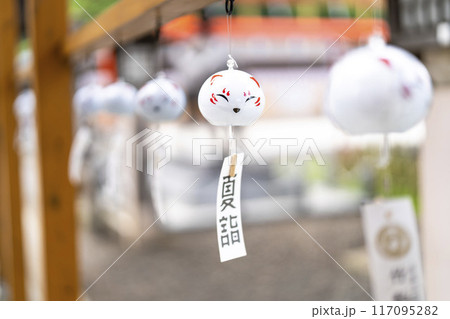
[229, 6]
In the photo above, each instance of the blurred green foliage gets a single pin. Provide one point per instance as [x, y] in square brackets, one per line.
[249, 10]
[94, 7]
[401, 175]
[358, 168]
[308, 10]
[298, 8]
[289, 8]
[24, 44]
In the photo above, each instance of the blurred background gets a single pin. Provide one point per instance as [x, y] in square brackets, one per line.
[177, 258]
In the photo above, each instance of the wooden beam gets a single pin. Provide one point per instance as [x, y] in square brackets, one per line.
[47, 25]
[10, 201]
[128, 20]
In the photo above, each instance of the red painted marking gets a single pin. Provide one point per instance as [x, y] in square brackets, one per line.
[406, 92]
[212, 101]
[214, 97]
[245, 94]
[228, 93]
[215, 76]
[255, 81]
[386, 61]
[258, 104]
[224, 90]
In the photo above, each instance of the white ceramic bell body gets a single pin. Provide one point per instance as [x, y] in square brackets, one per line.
[231, 98]
[160, 100]
[25, 105]
[87, 100]
[25, 110]
[119, 98]
[378, 88]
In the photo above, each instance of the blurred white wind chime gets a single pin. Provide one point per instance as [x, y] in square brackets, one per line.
[159, 100]
[105, 118]
[380, 88]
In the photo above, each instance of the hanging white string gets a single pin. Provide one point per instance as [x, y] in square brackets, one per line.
[229, 29]
[231, 142]
[385, 154]
[231, 63]
[377, 25]
[229, 6]
[383, 164]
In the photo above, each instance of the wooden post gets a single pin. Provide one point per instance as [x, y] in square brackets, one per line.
[47, 27]
[10, 201]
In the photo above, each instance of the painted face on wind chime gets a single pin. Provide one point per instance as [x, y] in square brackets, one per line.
[378, 88]
[160, 100]
[231, 98]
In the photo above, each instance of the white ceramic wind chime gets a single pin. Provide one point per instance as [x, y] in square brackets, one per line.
[160, 99]
[380, 88]
[230, 98]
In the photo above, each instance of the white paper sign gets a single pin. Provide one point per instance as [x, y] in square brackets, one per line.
[228, 209]
[392, 242]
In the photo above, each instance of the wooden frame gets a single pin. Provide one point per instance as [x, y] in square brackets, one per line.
[52, 87]
[11, 254]
[51, 77]
[128, 20]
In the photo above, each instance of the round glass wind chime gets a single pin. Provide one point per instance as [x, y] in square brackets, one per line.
[158, 101]
[378, 88]
[230, 98]
[382, 89]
